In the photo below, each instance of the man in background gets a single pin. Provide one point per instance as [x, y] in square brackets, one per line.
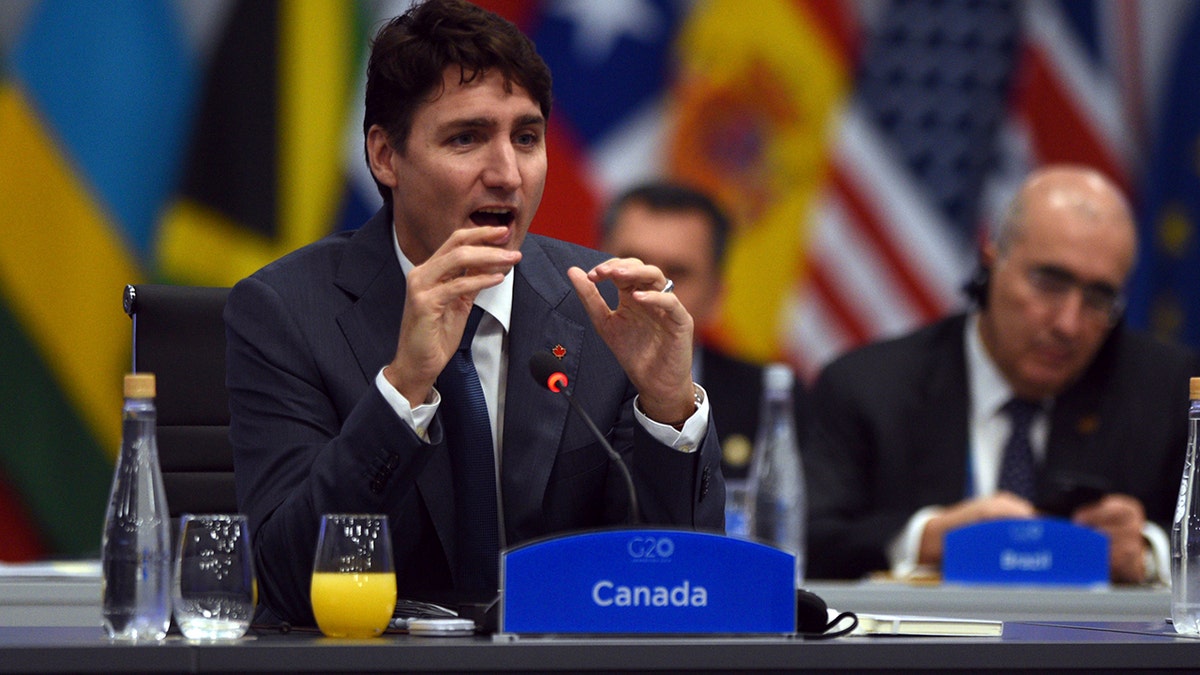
[1039, 395]
[684, 233]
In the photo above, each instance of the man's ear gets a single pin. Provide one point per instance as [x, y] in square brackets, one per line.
[380, 156]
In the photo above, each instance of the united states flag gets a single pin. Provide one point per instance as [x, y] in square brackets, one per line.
[918, 139]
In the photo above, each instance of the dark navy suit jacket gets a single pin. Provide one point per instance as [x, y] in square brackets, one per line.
[890, 436]
[312, 434]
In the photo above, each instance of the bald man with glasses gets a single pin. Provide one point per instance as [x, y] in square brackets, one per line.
[1038, 401]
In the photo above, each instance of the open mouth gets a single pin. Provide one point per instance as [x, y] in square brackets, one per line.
[493, 216]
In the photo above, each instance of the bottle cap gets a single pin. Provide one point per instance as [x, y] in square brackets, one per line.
[1194, 386]
[139, 385]
[778, 377]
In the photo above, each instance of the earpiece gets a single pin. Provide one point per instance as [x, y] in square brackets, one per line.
[976, 288]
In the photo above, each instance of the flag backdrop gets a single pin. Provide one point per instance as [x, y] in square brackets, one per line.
[861, 147]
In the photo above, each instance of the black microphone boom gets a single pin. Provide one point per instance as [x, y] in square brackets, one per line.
[544, 367]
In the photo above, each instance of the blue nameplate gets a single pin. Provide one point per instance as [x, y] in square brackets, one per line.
[1039, 551]
[647, 581]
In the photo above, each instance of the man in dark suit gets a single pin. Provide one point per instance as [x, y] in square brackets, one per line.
[339, 355]
[684, 233]
[915, 436]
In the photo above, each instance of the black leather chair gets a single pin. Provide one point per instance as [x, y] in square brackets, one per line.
[179, 335]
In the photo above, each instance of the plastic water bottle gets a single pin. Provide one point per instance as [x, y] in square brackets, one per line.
[737, 508]
[1185, 531]
[776, 483]
[135, 554]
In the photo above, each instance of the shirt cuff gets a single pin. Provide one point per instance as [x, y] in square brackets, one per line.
[418, 418]
[688, 438]
[903, 551]
[1158, 556]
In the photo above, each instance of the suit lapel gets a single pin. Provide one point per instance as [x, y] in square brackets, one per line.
[370, 274]
[534, 417]
[1075, 444]
[940, 425]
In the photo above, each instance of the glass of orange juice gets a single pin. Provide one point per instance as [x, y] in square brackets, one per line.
[354, 582]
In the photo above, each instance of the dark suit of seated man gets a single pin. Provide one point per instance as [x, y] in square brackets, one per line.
[910, 434]
[336, 352]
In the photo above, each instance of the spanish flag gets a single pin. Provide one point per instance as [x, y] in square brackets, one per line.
[756, 97]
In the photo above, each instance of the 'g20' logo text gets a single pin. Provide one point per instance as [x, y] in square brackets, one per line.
[650, 548]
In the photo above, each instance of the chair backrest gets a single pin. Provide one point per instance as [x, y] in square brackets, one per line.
[179, 335]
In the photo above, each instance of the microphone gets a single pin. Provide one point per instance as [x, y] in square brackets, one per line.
[545, 369]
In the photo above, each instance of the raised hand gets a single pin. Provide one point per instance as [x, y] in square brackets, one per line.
[439, 296]
[649, 332]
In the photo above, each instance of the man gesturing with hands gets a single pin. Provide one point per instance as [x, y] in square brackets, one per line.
[338, 353]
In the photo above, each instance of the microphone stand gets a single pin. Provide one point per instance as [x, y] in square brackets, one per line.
[544, 368]
[633, 501]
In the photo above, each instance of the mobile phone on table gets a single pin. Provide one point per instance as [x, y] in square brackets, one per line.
[1064, 492]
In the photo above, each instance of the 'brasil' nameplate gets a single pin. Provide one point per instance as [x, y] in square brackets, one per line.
[647, 581]
[1039, 551]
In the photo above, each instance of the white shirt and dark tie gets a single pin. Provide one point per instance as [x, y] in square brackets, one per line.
[489, 351]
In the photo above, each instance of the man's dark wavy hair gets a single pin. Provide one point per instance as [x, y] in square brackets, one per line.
[410, 53]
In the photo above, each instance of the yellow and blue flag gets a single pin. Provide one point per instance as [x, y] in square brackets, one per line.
[94, 106]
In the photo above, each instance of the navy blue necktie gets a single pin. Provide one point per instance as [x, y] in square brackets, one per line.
[469, 438]
[1018, 472]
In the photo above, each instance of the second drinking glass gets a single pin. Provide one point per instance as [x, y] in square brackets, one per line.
[214, 577]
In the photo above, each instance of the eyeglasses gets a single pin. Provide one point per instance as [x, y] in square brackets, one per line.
[1055, 283]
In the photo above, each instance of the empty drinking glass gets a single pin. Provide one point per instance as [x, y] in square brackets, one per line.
[214, 589]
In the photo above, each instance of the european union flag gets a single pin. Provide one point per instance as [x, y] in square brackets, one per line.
[1165, 293]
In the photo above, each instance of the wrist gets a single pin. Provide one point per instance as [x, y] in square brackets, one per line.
[677, 415]
[414, 394]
